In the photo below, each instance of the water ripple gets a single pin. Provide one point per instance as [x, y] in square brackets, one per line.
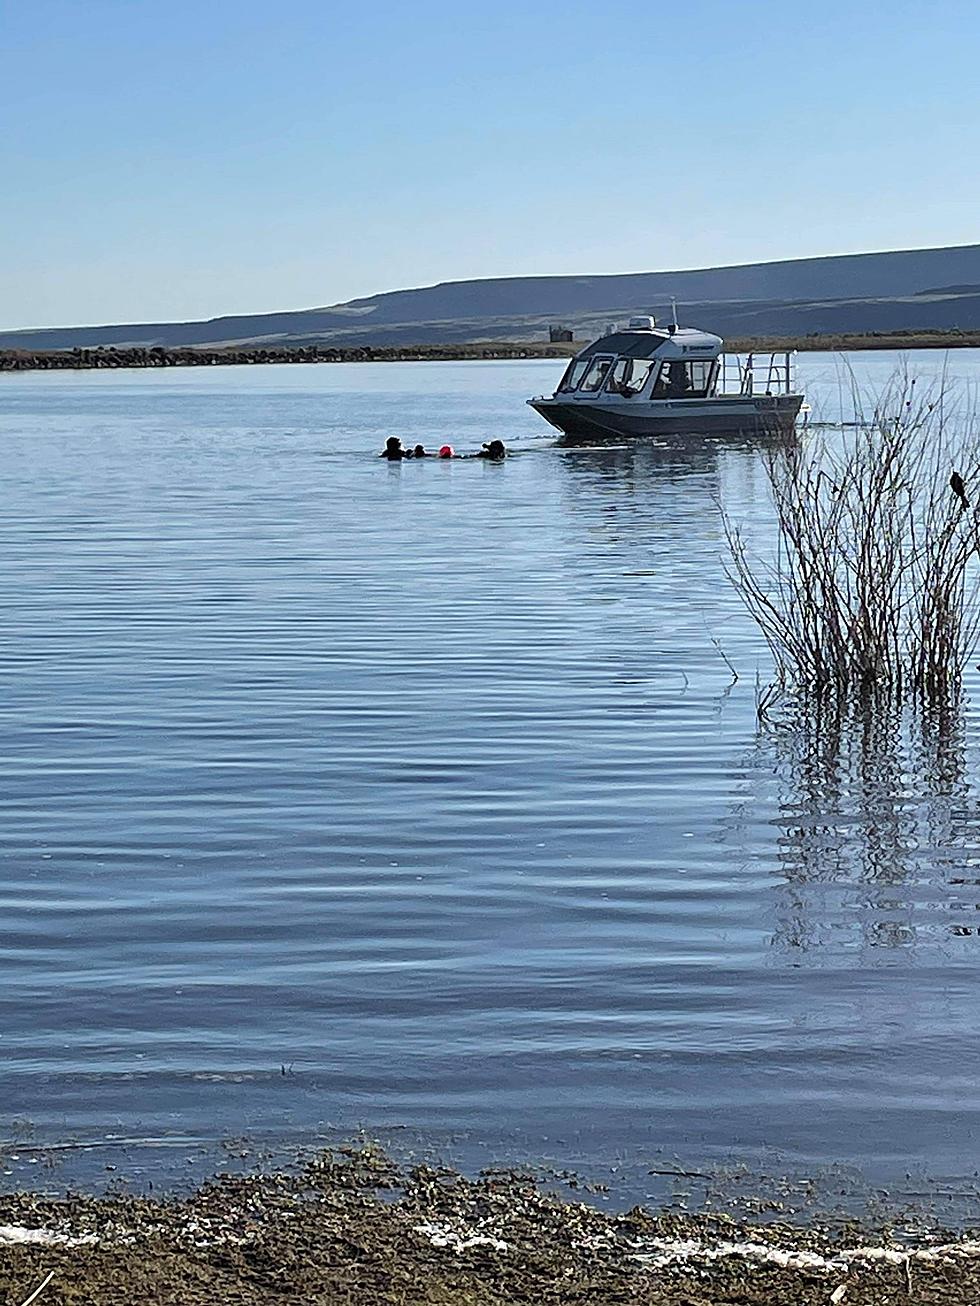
[429, 782]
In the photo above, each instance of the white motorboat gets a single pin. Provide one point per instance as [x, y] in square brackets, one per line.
[648, 381]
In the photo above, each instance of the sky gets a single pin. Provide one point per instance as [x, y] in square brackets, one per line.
[186, 160]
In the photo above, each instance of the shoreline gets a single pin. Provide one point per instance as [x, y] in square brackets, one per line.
[113, 358]
[351, 1225]
[110, 358]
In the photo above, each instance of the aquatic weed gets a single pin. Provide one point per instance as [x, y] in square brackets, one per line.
[870, 590]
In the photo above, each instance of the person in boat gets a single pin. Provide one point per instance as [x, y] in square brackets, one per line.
[495, 450]
[393, 450]
[419, 451]
[678, 385]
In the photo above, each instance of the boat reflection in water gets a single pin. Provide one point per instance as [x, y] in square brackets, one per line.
[645, 382]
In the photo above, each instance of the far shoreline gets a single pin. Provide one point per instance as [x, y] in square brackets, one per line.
[105, 358]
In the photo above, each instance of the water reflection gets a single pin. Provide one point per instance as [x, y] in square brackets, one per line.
[878, 820]
[637, 468]
[633, 467]
[425, 783]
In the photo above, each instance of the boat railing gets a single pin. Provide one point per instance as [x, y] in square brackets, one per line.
[758, 373]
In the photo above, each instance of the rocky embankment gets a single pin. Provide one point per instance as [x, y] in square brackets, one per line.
[12, 360]
[17, 360]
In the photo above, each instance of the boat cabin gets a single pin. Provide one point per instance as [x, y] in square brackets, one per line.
[646, 381]
[645, 362]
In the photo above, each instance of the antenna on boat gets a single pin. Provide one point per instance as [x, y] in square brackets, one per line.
[673, 309]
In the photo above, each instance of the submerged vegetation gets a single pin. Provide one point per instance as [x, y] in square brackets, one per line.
[869, 594]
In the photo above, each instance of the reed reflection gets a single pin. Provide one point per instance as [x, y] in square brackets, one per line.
[880, 826]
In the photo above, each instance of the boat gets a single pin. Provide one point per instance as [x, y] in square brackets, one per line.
[646, 381]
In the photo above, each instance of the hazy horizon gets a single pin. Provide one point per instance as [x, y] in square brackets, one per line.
[233, 160]
[288, 308]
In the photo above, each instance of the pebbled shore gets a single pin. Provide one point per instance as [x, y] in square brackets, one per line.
[352, 1227]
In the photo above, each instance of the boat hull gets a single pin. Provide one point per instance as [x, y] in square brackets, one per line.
[584, 421]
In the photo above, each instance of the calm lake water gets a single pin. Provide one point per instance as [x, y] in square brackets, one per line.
[427, 785]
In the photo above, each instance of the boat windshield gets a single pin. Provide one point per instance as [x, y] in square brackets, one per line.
[629, 375]
[577, 368]
[596, 375]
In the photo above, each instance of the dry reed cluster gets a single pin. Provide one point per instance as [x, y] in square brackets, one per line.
[870, 590]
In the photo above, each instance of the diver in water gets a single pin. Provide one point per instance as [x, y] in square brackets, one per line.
[419, 451]
[495, 450]
[393, 450]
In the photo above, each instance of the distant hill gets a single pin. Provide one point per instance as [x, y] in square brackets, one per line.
[950, 290]
[843, 293]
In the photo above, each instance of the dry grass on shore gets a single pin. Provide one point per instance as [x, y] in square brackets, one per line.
[837, 342]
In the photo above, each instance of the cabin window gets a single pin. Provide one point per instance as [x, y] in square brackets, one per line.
[684, 380]
[596, 375]
[577, 368]
[700, 375]
[629, 376]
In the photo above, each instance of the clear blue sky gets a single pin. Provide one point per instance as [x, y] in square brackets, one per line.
[179, 160]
